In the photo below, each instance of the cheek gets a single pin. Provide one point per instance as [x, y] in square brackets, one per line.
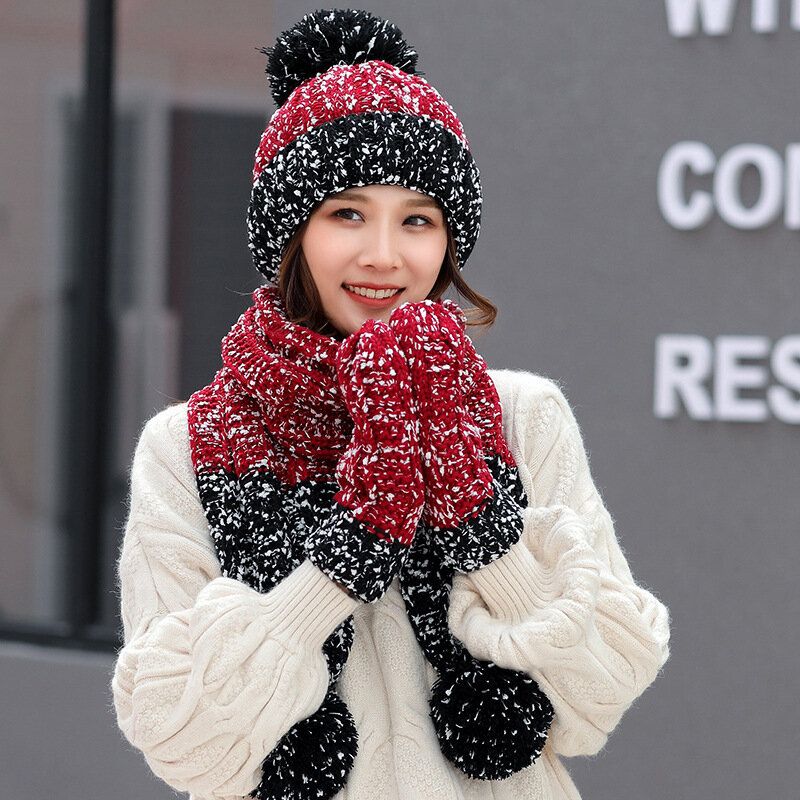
[429, 251]
[323, 248]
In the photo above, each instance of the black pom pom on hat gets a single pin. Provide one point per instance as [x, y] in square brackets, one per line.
[354, 111]
[324, 38]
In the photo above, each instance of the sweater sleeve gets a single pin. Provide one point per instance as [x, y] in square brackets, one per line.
[562, 604]
[212, 673]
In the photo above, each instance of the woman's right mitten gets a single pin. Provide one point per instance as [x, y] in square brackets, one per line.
[381, 494]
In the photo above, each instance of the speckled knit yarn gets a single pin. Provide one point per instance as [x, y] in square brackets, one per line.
[353, 111]
[266, 435]
[474, 499]
[474, 496]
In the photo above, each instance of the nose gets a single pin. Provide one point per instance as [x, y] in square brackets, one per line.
[381, 247]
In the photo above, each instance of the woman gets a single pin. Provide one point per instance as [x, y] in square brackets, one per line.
[357, 564]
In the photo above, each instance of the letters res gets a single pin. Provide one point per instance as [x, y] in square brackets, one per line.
[684, 364]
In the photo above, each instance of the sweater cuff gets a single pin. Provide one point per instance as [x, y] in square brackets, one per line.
[311, 605]
[514, 586]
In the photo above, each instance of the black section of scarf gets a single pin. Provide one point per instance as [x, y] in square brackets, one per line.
[272, 415]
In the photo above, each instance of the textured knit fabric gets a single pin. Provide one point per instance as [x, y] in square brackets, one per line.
[267, 434]
[474, 497]
[213, 672]
[353, 111]
[271, 446]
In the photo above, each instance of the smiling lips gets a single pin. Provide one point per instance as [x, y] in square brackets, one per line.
[371, 297]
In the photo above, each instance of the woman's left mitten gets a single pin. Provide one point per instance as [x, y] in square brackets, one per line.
[474, 704]
[471, 502]
[486, 411]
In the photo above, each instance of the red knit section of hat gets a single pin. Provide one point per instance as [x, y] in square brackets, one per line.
[352, 89]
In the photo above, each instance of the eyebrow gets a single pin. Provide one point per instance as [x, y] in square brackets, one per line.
[422, 202]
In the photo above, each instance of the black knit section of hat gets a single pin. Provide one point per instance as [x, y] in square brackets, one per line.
[357, 150]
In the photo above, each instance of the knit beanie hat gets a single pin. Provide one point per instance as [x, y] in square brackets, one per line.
[352, 111]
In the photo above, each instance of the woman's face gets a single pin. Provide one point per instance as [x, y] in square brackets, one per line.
[373, 236]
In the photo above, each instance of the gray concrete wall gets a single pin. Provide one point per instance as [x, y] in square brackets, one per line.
[59, 737]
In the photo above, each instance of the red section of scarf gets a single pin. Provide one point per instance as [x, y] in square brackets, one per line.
[275, 404]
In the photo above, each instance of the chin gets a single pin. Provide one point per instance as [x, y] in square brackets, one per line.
[354, 326]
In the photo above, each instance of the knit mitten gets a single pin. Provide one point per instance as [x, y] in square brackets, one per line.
[473, 515]
[484, 410]
[381, 492]
[473, 496]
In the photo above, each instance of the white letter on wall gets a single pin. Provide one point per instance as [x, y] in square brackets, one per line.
[685, 380]
[728, 178]
[700, 159]
[730, 376]
[716, 16]
[792, 168]
[786, 368]
[764, 16]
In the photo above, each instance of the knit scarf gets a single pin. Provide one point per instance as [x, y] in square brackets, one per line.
[266, 435]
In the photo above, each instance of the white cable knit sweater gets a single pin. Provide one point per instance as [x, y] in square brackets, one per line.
[213, 673]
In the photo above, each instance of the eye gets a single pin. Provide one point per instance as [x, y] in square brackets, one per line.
[425, 221]
[345, 211]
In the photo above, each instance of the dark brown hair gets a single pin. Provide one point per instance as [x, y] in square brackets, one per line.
[303, 305]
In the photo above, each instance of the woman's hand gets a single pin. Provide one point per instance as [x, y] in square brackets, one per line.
[480, 394]
[457, 479]
[381, 490]
[473, 496]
